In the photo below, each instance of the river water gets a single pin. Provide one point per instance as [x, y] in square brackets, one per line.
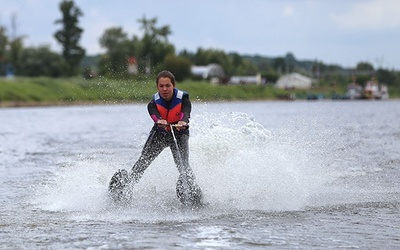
[279, 175]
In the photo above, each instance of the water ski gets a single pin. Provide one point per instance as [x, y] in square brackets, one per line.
[117, 187]
[189, 193]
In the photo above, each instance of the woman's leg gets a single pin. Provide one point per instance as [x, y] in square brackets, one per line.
[188, 192]
[154, 145]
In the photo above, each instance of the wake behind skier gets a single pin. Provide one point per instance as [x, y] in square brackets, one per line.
[169, 106]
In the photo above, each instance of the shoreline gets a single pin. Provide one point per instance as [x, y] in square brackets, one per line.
[25, 104]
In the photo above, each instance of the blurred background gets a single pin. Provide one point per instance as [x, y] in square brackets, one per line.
[295, 49]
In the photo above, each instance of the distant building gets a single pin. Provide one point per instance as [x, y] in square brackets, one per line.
[374, 90]
[132, 65]
[210, 71]
[354, 91]
[294, 81]
[256, 79]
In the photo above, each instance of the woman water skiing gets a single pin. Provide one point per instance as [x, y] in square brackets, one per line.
[170, 111]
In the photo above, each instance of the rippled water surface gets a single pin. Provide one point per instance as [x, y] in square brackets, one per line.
[279, 175]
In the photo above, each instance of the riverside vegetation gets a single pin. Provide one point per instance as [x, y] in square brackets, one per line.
[39, 91]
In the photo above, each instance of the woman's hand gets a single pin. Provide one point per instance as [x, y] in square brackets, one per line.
[162, 124]
[181, 125]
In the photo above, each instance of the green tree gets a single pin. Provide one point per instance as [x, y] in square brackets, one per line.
[40, 61]
[69, 36]
[233, 63]
[154, 45]
[271, 76]
[15, 51]
[187, 54]
[279, 64]
[118, 47]
[210, 56]
[179, 65]
[386, 76]
[290, 62]
[364, 66]
[3, 50]
[246, 68]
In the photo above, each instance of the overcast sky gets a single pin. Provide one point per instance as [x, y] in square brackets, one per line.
[342, 32]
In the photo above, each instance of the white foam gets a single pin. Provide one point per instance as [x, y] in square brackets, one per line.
[238, 163]
[241, 164]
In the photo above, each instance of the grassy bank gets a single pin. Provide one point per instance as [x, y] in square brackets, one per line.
[57, 91]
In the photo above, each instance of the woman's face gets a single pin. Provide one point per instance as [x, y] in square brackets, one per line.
[165, 88]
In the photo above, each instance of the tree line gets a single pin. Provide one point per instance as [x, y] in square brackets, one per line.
[16, 59]
[152, 52]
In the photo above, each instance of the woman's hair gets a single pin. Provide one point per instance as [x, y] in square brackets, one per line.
[166, 74]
